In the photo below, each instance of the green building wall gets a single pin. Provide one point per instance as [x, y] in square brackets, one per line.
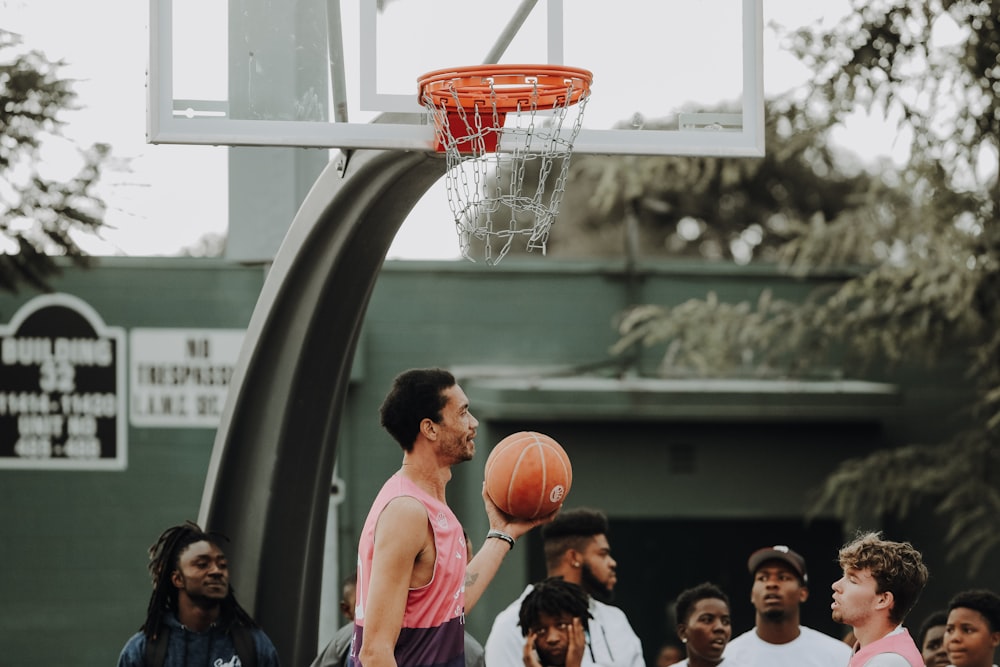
[73, 543]
[694, 474]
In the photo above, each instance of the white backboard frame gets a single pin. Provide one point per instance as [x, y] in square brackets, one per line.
[207, 123]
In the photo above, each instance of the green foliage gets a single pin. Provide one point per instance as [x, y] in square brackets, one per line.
[208, 245]
[720, 208]
[923, 241]
[895, 56]
[945, 288]
[712, 338]
[37, 213]
[959, 476]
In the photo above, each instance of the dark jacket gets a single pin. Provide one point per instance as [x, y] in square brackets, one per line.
[185, 648]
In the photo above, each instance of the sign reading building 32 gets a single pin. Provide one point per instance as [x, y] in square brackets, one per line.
[62, 388]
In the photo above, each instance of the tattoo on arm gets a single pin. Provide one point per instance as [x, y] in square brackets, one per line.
[471, 577]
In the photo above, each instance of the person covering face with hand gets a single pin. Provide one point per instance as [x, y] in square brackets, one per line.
[554, 619]
[576, 549]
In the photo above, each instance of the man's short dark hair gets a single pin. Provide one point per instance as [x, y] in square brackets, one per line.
[984, 601]
[350, 581]
[416, 394]
[690, 597]
[572, 529]
[936, 619]
[554, 597]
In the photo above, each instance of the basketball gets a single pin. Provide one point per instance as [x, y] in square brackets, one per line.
[528, 475]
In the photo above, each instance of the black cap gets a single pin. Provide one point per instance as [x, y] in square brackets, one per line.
[782, 553]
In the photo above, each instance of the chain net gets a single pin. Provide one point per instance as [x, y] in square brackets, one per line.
[506, 170]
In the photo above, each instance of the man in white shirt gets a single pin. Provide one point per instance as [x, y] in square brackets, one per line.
[780, 587]
[576, 549]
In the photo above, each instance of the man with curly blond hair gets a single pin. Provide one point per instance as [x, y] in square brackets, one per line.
[881, 583]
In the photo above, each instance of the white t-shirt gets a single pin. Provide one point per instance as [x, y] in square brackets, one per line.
[810, 649]
[611, 641]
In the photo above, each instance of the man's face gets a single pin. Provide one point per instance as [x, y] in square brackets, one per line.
[933, 651]
[777, 591]
[707, 630]
[968, 638]
[457, 429]
[551, 635]
[202, 574]
[856, 597]
[348, 600]
[599, 569]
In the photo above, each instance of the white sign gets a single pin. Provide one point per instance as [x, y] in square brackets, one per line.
[179, 377]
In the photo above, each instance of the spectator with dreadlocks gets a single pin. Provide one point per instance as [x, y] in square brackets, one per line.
[554, 621]
[193, 617]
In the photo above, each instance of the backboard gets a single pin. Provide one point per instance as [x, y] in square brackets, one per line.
[671, 77]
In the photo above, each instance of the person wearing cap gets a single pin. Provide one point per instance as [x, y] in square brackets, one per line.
[780, 587]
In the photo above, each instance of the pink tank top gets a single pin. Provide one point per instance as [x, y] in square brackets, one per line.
[433, 632]
[900, 643]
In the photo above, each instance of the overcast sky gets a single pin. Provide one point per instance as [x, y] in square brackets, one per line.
[165, 197]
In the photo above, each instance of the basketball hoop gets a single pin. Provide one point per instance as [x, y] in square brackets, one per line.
[491, 122]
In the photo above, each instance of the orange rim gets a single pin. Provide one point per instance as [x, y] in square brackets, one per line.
[507, 87]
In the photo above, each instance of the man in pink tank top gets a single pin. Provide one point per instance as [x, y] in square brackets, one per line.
[414, 585]
[881, 583]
